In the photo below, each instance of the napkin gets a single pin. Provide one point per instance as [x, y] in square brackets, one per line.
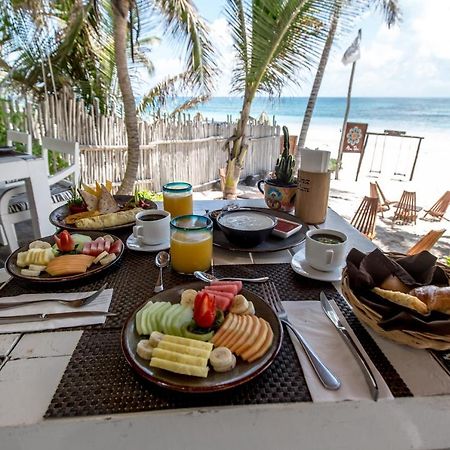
[101, 303]
[309, 318]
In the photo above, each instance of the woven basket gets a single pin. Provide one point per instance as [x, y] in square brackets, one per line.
[371, 318]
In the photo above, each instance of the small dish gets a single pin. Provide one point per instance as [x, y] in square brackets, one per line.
[133, 244]
[300, 266]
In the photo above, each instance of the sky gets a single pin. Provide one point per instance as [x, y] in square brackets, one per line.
[408, 60]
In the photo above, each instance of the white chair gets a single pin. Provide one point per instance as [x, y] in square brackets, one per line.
[14, 206]
[20, 137]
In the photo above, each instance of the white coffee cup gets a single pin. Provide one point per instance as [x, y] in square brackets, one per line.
[325, 249]
[152, 227]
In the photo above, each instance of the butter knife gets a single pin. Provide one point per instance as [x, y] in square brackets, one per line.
[367, 372]
[44, 316]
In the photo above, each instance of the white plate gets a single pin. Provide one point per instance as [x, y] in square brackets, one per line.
[300, 266]
[133, 244]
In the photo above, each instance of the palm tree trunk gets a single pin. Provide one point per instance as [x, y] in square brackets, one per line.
[120, 13]
[317, 82]
[236, 155]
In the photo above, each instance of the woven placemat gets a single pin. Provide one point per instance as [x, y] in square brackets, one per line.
[98, 380]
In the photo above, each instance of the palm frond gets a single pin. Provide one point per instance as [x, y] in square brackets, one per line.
[157, 96]
[189, 104]
[185, 25]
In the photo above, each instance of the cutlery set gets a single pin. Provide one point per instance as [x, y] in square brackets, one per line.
[270, 294]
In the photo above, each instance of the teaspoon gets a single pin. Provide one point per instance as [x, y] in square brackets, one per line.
[208, 278]
[162, 260]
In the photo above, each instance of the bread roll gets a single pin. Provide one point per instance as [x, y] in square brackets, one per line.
[392, 283]
[436, 298]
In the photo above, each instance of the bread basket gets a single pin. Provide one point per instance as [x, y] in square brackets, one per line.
[371, 318]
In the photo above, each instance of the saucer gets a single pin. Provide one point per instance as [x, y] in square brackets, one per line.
[300, 266]
[133, 244]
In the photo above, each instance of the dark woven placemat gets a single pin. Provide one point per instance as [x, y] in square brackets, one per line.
[98, 380]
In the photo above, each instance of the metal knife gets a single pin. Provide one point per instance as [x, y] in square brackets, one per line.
[367, 372]
[43, 317]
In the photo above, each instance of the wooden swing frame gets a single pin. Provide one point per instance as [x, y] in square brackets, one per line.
[390, 133]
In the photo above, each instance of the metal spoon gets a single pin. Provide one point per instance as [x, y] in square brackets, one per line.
[162, 260]
[207, 278]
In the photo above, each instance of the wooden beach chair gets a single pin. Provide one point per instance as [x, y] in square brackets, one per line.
[384, 202]
[374, 192]
[439, 209]
[406, 211]
[426, 242]
[365, 217]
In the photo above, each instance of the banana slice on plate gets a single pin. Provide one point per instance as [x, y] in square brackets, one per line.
[188, 297]
[239, 305]
[222, 360]
[144, 349]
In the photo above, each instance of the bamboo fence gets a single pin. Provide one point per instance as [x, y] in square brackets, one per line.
[172, 148]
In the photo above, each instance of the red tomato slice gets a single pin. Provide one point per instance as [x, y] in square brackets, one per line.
[94, 251]
[204, 310]
[107, 246]
[101, 246]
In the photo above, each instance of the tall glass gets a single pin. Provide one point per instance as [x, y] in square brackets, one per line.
[177, 198]
[191, 243]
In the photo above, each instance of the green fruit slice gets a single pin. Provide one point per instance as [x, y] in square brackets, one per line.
[159, 314]
[166, 317]
[150, 317]
[171, 320]
[182, 319]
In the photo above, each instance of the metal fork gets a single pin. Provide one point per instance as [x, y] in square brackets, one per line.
[76, 303]
[328, 379]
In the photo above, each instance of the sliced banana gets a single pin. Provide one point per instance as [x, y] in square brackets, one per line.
[188, 297]
[39, 244]
[250, 309]
[222, 359]
[155, 338]
[144, 350]
[239, 305]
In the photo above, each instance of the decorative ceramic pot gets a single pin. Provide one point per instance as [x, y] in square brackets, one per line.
[278, 196]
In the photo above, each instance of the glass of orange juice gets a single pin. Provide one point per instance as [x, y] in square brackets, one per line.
[177, 197]
[191, 243]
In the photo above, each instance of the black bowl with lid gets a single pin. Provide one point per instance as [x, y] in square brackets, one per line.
[246, 228]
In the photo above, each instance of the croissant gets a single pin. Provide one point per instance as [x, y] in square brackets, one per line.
[436, 298]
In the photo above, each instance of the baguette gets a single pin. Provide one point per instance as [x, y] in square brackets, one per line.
[108, 220]
[400, 298]
[436, 298]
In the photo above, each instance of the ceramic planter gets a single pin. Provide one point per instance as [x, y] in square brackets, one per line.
[278, 196]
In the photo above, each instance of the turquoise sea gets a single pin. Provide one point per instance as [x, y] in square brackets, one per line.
[414, 115]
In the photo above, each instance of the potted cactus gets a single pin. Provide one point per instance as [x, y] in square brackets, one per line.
[279, 191]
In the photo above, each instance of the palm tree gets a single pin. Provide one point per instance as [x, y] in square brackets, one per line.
[274, 40]
[391, 12]
[183, 22]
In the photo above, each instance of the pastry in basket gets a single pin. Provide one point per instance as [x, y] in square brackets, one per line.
[436, 298]
[402, 299]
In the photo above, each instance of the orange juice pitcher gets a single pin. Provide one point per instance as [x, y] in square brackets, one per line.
[177, 197]
[191, 243]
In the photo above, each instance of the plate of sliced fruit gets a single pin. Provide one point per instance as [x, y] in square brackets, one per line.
[95, 208]
[200, 338]
[65, 257]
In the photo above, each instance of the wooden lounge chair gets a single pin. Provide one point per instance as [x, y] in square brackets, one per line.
[374, 192]
[365, 216]
[426, 242]
[384, 202]
[439, 208]
[406, 211]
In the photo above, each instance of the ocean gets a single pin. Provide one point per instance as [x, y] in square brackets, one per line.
[426, 117]
[414, 115]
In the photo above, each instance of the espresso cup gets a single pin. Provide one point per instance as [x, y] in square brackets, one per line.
[325, 249]
[152, 227]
